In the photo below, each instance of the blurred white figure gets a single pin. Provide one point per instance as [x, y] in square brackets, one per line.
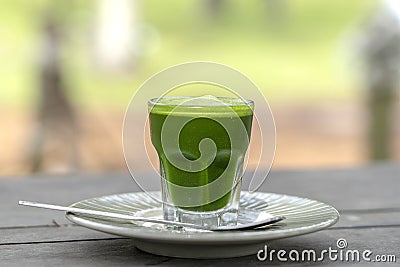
[117, 34]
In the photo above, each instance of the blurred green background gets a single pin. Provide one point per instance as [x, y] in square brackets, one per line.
[299, 58]
[301, 53]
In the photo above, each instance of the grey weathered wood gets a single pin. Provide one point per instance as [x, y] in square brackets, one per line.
[347, 189]
[360, 188]
[367, 196]
[63, 190]
[48, 234]
[74, 232]
[122, 252]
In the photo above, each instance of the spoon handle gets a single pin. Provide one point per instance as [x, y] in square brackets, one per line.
[131, 218]
[108, 214]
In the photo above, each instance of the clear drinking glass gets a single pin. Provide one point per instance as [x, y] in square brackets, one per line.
[201, 143]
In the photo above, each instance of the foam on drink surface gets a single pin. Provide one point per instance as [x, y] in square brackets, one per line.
[206, 104]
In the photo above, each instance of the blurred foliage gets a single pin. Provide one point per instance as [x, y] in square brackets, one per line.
[299, 58]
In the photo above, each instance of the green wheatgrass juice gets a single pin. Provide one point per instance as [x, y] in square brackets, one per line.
[205, 121]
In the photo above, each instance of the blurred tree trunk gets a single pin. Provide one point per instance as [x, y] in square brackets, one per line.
[276, 13]
[380, 136]
[381, 52]
[54, 145]
[213, 8]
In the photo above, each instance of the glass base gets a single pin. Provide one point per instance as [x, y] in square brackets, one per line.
[217, 218]
[225, 216]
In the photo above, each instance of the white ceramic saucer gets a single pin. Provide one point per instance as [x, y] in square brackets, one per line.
[302, 216]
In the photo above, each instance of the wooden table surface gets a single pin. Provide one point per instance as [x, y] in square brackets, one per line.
[368, 199]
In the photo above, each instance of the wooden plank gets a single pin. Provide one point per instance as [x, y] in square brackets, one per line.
[49, 234]
[122, 252]
[75, 232]
[370, 187]
[373, 187]
[64, 190]
[356, 219]
[367, 195]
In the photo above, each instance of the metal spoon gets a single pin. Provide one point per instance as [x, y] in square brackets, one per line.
[246, 226]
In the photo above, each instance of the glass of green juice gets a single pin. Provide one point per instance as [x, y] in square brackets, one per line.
[201, 143]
